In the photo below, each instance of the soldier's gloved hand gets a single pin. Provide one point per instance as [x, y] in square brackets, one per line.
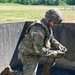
[60, 53]
[62, 49]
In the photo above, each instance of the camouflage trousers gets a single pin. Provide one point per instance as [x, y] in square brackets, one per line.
[30, 63]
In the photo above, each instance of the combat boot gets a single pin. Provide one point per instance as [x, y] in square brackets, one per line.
[6, 71]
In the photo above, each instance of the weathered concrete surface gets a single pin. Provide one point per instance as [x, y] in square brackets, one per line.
[9, 36]
[65, 33]
[12, 33]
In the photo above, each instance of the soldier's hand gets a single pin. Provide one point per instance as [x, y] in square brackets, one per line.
[60, 53]
[63, 49]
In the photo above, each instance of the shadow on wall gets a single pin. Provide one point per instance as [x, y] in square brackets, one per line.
[57, 71]
[65, 34]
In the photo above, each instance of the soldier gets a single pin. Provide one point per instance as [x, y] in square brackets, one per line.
[35, 48]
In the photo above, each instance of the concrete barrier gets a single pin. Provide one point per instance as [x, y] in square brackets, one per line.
[65, 33]
[12, 33]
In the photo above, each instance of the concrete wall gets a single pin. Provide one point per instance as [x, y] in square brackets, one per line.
[65, 33]
[12, 33]
[9, 36]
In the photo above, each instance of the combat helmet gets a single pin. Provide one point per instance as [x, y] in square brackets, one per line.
[54, 15]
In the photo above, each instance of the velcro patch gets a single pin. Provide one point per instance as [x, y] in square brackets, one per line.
[41, 34]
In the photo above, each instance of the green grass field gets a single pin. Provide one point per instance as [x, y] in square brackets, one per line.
[17, 12]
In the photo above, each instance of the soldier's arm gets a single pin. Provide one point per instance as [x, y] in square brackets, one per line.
[38, 36]
[57, 45]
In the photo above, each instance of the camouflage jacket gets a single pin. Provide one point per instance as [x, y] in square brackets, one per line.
[38, 41]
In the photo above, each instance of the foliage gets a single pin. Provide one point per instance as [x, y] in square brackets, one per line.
[41, 2]
[71, 2]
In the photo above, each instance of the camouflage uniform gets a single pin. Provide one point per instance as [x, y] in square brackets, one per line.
[36, 46]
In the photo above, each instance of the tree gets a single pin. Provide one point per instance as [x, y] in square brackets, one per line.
[71, 2]
[10, 0]
[45, 2]
[2, 1]
[57, 2]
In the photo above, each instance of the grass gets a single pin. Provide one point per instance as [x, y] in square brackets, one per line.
[17, 12]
